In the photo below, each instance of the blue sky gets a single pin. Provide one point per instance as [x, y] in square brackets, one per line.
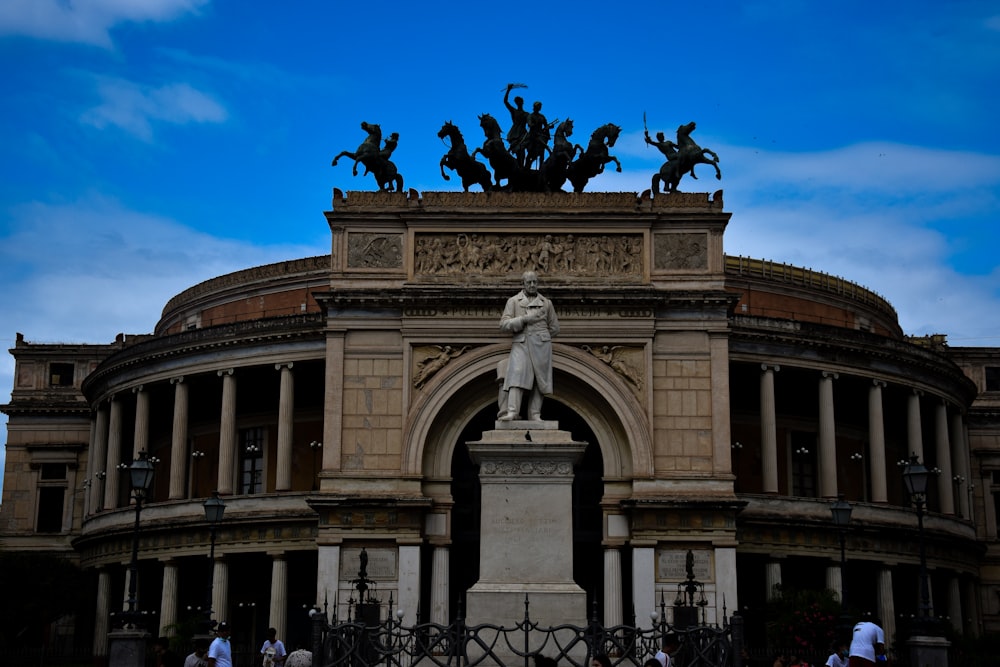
[149, 145]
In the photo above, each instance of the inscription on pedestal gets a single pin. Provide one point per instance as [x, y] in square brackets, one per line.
[381, 564]
[671, 565]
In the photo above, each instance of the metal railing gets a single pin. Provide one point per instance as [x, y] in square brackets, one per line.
[357, 643]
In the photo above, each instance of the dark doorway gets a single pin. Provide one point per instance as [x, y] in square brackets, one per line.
[588, 488]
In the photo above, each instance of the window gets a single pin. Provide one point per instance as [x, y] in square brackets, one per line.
[61, 375]
[52, 471]
[252, 460]
[803, 468]
[50, 509]
[992, 378]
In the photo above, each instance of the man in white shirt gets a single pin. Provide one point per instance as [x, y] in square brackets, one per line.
[273, 650]
[670, 645]
[868, 642]
[220, 653]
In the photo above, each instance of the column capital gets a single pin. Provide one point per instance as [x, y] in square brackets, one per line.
[917, 392]
[225, 371]
[881, 384]
[770, 367]
[177, 380]
[136, 389]
[284, 364]
[831, 375]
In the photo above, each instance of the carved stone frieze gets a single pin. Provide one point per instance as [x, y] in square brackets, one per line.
[598, 255]
[367, 250]
[531, 467]
[680, 251]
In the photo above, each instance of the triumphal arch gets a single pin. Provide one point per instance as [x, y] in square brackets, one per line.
[596, 502]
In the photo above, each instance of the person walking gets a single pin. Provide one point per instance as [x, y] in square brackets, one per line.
[273, 650]
[867, 644]
[220, 653]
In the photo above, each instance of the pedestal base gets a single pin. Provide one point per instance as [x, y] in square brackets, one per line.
[928, 651]
[526, 539]
[127, 648]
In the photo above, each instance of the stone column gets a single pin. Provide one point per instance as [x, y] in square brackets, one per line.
[69, 499]
[725, 582]
[886, 607]
[114, 455]
[220, 589]
[178, 441]
[612, 587]
[439, 585]
[99, 453]
[834, 580]
[768, 429]
[644, 585]
[327, 574]
[333, 402]
[227, 434]
[876, 443]
[279, 593]
[286, 406]
[946, 485]
[101, 626]
[89, 481]
[955, 607]
[168, 599]
[140, 440]
[827, 438]
[960, 464]
[772, 578]
[408, 583]
[914, 436]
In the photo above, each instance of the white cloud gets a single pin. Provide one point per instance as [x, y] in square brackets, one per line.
[132, 107]
[890, 217]
[85, 21]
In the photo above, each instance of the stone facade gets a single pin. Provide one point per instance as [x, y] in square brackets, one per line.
[725, 403]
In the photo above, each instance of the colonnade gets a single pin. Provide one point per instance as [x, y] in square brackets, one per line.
[951, 454]
[105, 462]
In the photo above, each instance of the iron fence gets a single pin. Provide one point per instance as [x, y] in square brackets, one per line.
[361, 643]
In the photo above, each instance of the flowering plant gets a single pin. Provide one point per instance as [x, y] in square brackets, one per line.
[803, 621]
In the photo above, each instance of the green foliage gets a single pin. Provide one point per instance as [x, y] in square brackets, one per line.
[40, 588]
[803, 621]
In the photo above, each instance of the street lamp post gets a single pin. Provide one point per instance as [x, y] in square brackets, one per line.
[841, 512]
[214, 509]
[140, 479]
[316, 446]
[915, 476]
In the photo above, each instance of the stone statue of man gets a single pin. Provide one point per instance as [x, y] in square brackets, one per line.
[532, 320]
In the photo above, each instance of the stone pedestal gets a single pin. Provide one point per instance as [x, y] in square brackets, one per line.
[127, 648]
[928, 651]
[526, 528]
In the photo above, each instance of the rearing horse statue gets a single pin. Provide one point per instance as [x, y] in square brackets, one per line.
[505, 165]
[592, 161]
[563, 151]
[376, 161]
[458, 159]
[684, 160]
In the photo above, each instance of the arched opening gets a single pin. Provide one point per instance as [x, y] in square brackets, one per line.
[588, 489]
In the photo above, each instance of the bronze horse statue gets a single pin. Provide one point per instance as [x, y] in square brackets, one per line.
[563, 151]
[458, 159]
[683, 161]
[592, 161]
[505, 165]
[376, 160]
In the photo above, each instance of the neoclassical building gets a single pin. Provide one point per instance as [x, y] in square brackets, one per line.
[726, 403]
